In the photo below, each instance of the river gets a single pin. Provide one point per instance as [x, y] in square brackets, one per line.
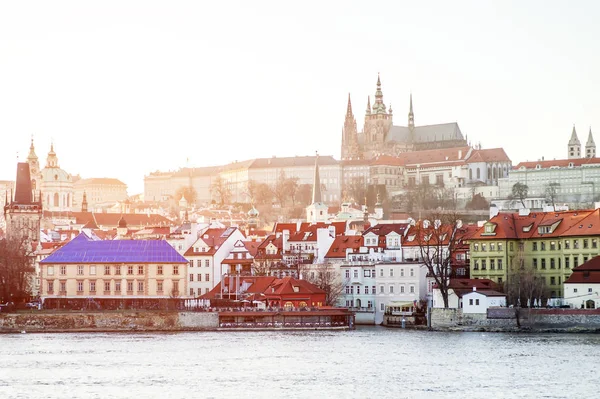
[370, 362]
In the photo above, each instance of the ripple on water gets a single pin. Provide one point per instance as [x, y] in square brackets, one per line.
[368, 362]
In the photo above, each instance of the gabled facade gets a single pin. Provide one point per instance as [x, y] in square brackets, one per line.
[206, 257]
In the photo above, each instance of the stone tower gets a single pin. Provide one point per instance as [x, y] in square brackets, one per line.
[378, 122]
[574, 146]
[350, 148]
[23, 210]
[34, 167]
[590, 146]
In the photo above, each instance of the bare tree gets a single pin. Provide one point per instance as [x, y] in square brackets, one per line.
[519, 192]
[325, 277]
[220, 188]
[552, 193]
[16, 268]
[356, 189]
[478, 201]
[189, 193]
[439, 239]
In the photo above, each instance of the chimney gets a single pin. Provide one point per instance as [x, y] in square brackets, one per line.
[459, 154]
[474, 289]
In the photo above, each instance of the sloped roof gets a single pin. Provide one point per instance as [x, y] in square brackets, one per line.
[426, 133]
[266, 285]
[488, 155]
[280, 162]
[560, 163]
[83, 249]
[386, 228]
[342, 243]
[100, 180]
[586, 273]
[570, 223]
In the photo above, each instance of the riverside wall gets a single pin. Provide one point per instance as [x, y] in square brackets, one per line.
[512, 319]
[117, 321]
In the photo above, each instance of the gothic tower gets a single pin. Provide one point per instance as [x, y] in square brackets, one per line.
[350, 148]
[23, 211]
[574, 146]
[590, 146]
[378, 122]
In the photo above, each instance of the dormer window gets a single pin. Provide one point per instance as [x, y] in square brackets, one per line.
[526, 229]
[571, 163]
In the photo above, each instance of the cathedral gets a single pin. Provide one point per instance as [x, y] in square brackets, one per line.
[380, 136]
[55, 184]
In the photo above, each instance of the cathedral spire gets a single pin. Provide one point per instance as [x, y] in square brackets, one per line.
[379, 106]
[411, 115]
[349, 109]
[316, 194]
[368, 105]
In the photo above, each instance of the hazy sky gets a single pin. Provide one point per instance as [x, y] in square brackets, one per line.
[125, 88]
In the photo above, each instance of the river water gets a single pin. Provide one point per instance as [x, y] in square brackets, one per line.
[370, 362]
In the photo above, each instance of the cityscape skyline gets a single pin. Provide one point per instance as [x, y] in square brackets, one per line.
[121, 91]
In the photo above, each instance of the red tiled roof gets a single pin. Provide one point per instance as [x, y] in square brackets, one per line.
[515, 226]
[587, 273]
[488, 155]
[561, 163]
[252, 247]
[266, 285]
[342, 243]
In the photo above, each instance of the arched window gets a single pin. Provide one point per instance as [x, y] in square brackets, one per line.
[489, 174]
[56, 199]
[493, 173]
[478, 174]
[33, 184]
[470, 174]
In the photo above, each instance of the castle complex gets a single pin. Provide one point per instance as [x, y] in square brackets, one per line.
[381, 137]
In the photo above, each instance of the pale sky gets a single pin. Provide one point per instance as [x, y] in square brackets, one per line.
[124, 88]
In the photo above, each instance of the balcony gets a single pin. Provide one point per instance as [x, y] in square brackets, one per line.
[362, 310]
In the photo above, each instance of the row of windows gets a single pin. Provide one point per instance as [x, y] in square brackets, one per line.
[495, 264]
[109, 270]
[371, 272]
[199, 277]
[93, 285]
[539, 246]
[351, 290]
[198, 262]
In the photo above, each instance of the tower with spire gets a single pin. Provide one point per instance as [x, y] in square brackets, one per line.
[350, 148]
[378, 122]
[34, 166]
[317, 211]
[590, 146]
[23, 210]
[574, 145]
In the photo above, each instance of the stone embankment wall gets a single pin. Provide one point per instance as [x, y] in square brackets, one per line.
[108, 321]
[510, 319]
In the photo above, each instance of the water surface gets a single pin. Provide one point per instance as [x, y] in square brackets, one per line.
[370, 362]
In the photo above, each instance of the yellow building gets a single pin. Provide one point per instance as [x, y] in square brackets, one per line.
[94, 269]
